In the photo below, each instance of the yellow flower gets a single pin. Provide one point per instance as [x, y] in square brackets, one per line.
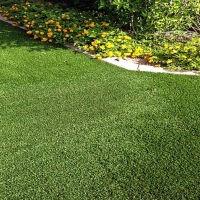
[110, 54]
[41, 33]
[186, 48]
[166, 46]
[119, 40]
[133, 56]
[123, 46]
[74, 25]
[157, 65]
[98, 42]
[118, 53]
[85, 47]
[103, 34]
[127, 37]
[129, 50]
[102, 47]
[50, 40]
[169, 61]
[152, 59]
[173, 52]
[127, 54]
[184, 57]
[109, 45]
[91, 48]
[66, 35]
[189, 59]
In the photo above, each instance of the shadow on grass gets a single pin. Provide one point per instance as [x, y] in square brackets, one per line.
[12, 37]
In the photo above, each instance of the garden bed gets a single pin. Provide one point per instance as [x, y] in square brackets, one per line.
[90, 32]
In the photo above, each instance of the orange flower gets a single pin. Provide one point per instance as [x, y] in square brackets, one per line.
[49, 34]
[29, 32]
[75, 25]
[85, 32]
[91, 24]
[71, 30]
[44, 39]
[50, 21]
[64, 30]
[50, 40]
[14, 24]
[35, 37]
[105, 24]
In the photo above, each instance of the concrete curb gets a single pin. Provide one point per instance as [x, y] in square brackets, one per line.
[123, 63]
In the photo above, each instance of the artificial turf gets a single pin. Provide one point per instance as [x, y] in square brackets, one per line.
[72, 127]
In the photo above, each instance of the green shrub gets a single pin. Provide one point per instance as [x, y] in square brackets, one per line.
[94, 32]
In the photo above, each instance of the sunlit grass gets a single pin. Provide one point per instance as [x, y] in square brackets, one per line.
[77, 128]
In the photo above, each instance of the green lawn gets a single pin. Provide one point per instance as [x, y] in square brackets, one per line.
[76, 128]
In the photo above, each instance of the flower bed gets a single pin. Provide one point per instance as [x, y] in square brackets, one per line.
[97, 33]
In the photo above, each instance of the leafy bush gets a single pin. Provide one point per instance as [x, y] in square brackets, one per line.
[94, 31]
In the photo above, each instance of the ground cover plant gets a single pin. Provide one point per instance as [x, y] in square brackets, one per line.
[98, 33]
[77, 128]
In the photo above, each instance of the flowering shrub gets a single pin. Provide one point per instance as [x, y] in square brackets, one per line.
[95, 32]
